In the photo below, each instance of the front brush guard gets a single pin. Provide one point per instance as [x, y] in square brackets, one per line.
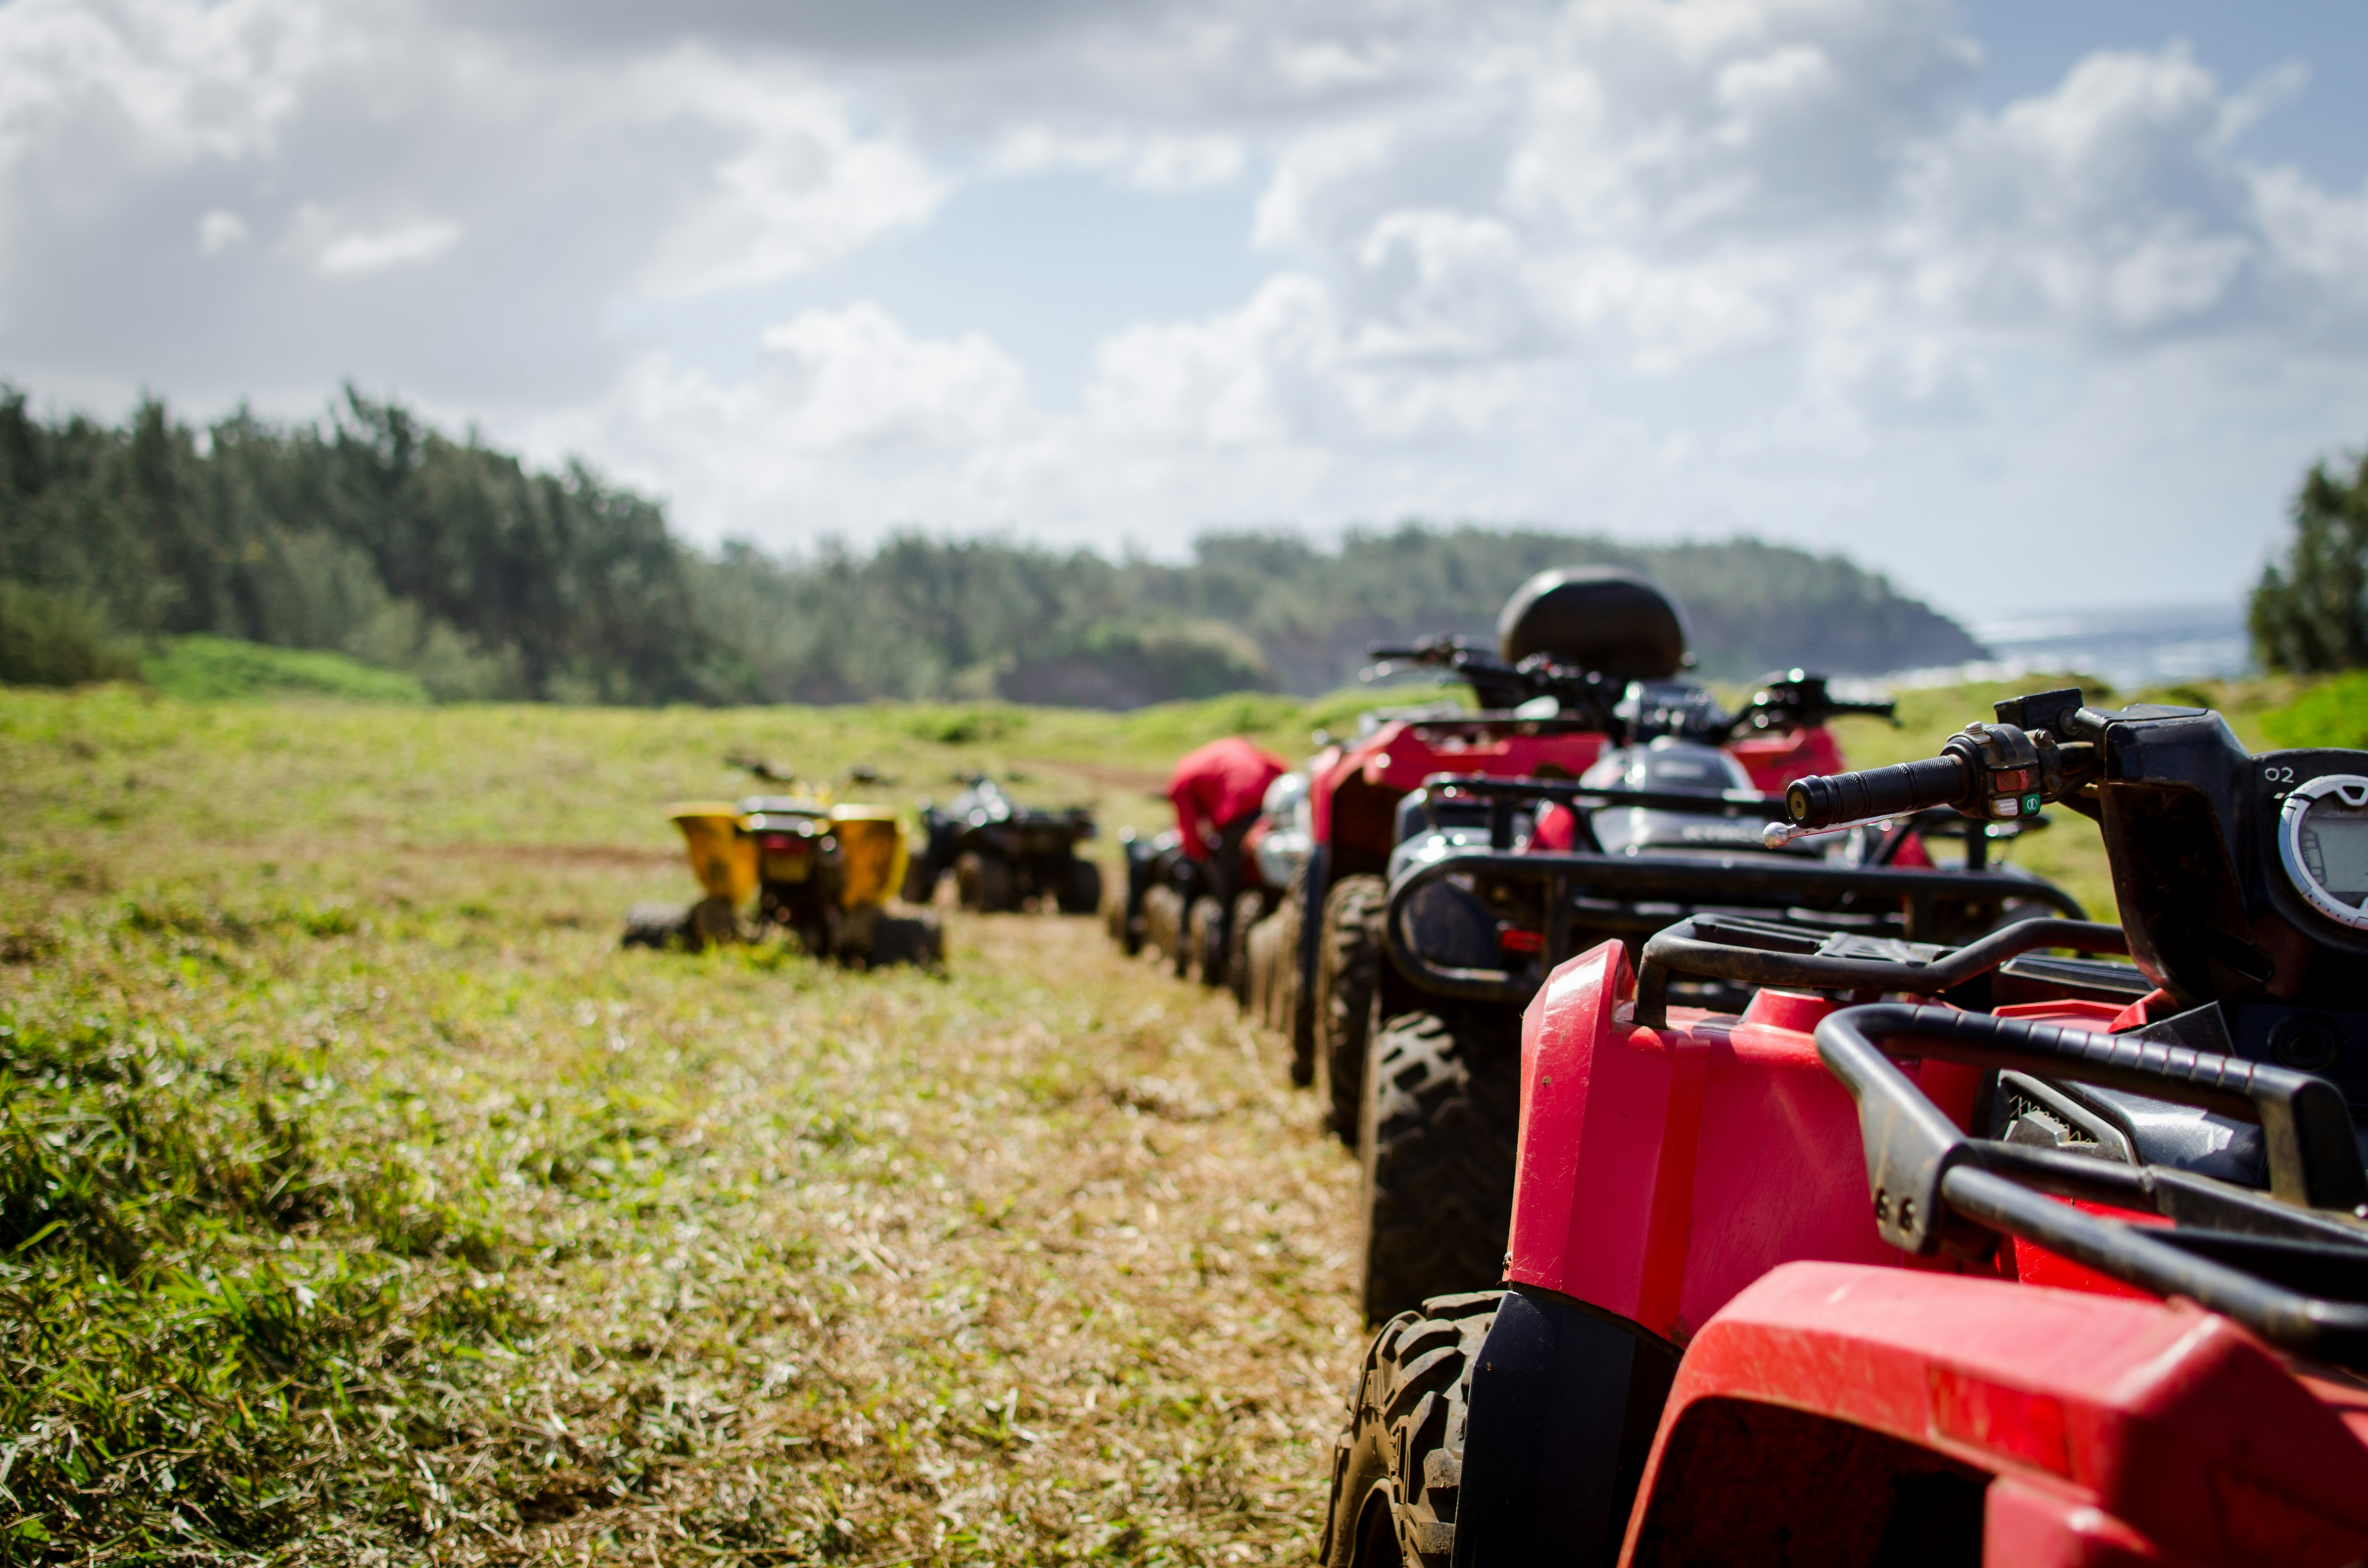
[2292, 1264]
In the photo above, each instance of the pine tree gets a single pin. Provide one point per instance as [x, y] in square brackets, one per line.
[2310, 614]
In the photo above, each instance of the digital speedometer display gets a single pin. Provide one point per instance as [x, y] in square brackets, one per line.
[2334, 846]
[2323, 840]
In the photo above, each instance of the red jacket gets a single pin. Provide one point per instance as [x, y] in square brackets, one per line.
[1216, 784]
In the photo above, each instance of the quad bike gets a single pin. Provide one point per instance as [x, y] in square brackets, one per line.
[1146, 869]
[820, 870]
[1589, 619]
[1002, 853]
[1615, 687]
[1154, 904]
[1495, 883]
[1267, 917]
[1934, 1254]
[1183, 887]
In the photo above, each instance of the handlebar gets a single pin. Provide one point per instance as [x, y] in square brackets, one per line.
[1902, 789]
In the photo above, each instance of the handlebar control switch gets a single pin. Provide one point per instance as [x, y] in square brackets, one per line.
[2010, 773]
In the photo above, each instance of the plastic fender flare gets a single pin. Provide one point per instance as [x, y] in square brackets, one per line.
[1564, 1404]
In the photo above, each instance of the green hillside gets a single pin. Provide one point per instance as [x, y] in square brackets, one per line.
[372, 535]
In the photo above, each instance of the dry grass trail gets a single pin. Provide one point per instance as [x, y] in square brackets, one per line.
[1052, 1272]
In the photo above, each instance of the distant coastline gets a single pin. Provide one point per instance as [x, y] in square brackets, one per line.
[2133, 647]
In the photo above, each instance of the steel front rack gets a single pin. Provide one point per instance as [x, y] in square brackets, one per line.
[1585, 897]
[2288, 1257]
[2290, 1263]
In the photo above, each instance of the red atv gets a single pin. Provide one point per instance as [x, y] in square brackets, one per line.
[1569, 643]
[2113, 1304]
[1496, 883]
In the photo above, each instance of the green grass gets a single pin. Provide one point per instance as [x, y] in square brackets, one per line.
[215, 669]
[2334, 713]
[360, 1200]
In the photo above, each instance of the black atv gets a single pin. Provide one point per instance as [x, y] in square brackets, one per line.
[1002, 853]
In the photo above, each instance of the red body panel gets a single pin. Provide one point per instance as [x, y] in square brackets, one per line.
[1663, 1171]
[1775, 760]
[2121, 1431]
[1398, 755]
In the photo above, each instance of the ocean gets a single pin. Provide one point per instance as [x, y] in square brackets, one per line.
[2133, 647]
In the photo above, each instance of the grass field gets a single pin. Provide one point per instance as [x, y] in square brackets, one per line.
[361, 1201]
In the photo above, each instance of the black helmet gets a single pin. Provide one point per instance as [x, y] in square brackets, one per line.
[1599, 618]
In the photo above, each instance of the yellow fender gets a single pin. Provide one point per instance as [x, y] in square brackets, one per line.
[872, 852]
[723, 858]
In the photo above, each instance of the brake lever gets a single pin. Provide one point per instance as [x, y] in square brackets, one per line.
[1777, 835]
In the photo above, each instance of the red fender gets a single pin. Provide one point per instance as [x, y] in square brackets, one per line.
[2120, 1431]
[1662, 1171]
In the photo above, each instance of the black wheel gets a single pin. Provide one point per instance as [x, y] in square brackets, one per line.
[1163, 924]
[1347, 968]
[1204, 942]
[1294, 1013]
[1080, 892]
[985, 881]
[920, 880]
[916, 939]
[1398, 1467]
[1249, 909]
[1441, 1121]
[711, 921]
[1125, 913]
[655, 925]
[1259, 958]
[1116, 921]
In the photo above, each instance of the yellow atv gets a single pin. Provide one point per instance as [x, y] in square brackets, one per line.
[824, 869]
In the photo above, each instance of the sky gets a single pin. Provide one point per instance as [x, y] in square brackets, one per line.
[2025, 304]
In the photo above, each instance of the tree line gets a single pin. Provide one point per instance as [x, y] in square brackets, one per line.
[371, 533]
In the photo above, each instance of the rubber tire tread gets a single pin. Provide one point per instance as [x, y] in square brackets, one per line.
[986, 883]
[1249, 909]
[1117, 921]
[655, 925]
[1204, 944]
[1294, 1013]
[1439, 1130]
[917, 939]
[1162, 925]
[1080, 892]
[1257, 973]
[1347, 970]
[1406, 1430]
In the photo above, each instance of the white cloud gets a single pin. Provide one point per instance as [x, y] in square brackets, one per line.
[1155, 163]
[218, 230]
[801, 186]
[2108, 205]
[846, 419]
[855, 377]
[178, 82]
[407, 244]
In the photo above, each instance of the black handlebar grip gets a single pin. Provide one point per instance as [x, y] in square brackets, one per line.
[1895, 792]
